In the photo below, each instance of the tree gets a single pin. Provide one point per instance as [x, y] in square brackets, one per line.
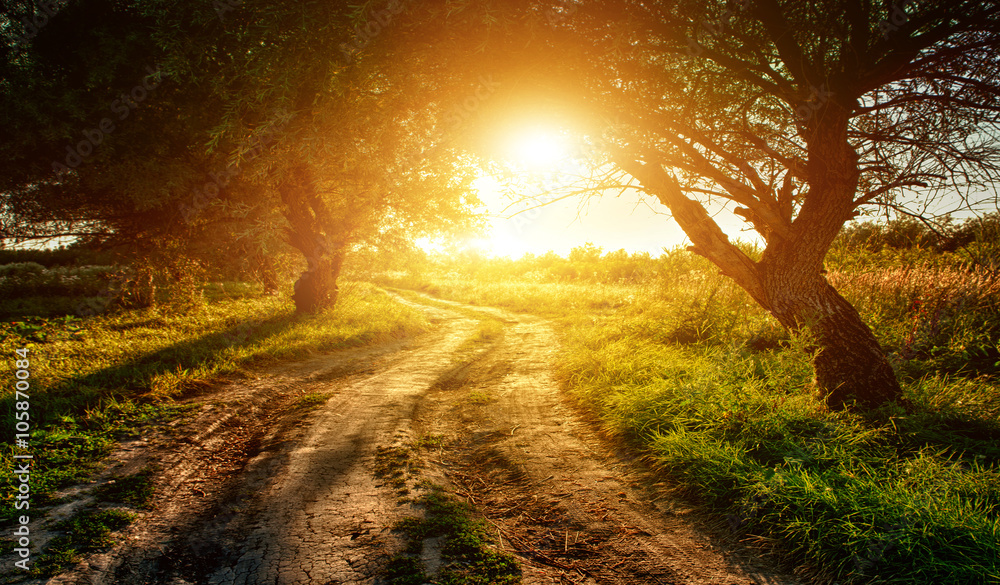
[353, 164]
[99, 143]
[795, 116]
[302, 138]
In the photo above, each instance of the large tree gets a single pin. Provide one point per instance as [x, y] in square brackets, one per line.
[796, 116]
[350, 166]
[258, 125]
[99, 143]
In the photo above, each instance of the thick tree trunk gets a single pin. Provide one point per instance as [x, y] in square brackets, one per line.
[309, 227]
[316, 289]
[788, 281]
[849, 363]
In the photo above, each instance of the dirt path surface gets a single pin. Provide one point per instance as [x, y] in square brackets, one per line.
[281, 480]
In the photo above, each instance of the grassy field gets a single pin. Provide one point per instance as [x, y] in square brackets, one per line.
[680, 363]
[94, 380]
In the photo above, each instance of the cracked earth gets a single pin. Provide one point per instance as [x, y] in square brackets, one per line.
[261, 487]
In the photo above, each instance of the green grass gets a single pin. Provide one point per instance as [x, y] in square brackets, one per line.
[84, 533]
[467, 555]
[686, 368]
[135, 490]
[98, 379]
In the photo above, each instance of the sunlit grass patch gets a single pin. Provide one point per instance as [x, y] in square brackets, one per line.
[741, 433]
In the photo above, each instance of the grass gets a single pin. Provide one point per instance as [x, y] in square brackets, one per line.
[313, 399]
[682, 365]
[135, 490]
[95, 380]
[467, 555]
[84, 533]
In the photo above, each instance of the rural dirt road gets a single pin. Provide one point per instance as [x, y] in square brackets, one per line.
[276, 480]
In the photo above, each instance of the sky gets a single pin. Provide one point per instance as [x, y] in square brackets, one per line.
[630, 222]
[615, 220]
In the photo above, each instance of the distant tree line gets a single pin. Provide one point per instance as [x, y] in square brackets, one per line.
[909, 232]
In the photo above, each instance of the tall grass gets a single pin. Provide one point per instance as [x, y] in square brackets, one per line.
[931, 317]
[701, 381]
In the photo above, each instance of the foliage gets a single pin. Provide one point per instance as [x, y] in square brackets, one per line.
[974, 242]
[62, 256]
[355, 163]
[28, 279]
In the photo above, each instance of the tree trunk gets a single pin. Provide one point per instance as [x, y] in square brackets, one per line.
[849, 362]
[316, 288]
[308, 231]
[788, 281]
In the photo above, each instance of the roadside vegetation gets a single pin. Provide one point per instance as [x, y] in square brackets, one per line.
[680, 363]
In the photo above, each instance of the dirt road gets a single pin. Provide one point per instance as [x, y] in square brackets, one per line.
[278, 480]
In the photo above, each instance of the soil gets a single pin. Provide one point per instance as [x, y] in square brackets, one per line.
[281, 480]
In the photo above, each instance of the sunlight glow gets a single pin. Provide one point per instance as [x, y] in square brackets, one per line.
[537, 148]
[611, 222]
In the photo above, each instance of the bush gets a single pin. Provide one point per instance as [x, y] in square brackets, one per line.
[29, 279]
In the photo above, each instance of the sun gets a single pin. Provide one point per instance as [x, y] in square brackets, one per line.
[537, 148]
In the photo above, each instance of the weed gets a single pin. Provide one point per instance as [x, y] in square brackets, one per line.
[466, 553]
[313, 400]
[430, 441]
[405, 570]
[135, 490]
[479, 397]
[84, 533]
